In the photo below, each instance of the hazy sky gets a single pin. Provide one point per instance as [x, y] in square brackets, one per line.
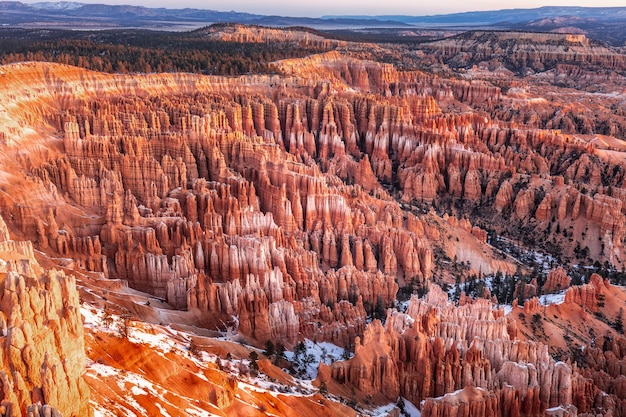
[315, 8]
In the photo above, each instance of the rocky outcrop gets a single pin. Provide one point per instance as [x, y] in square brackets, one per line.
[258, 34]
[372, 368]
[220, 217]
[39, 410]
[270, 203]
[357, 138]
[42, 328]
[587, 295]
[467, 402]
[4, 231]
[525, 290]
[457, 360]
[504, 198]
[524, 204]
[556, 281]
[538, 51]
[544, 209]
[602, 375]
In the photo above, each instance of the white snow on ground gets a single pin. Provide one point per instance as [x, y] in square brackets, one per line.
[402, 306]
[158, 340]
[91, 316]
[135, 405]
[196, 412]
[163, 412]
[323, 352]
[162, 339]
[165, 339]
[102, 370]
[449, 394]
[410, 409]
[547, 299]
[99, 411]
[382, 411]
[546, 261]
[544, 300]
[138, 386]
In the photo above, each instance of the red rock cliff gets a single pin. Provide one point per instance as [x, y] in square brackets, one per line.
[43, 357]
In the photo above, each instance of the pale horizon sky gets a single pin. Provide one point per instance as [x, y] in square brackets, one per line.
[318, 8]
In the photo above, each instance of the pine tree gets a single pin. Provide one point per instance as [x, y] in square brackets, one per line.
[269, 349]
[323, 388]
[619, 321]
[280, 350]
[254, 365]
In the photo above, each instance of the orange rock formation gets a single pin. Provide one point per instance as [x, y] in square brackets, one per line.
[292, 207]
[42, 348]
[462, 361]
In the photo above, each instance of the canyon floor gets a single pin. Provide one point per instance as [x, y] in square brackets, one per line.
[428, 229]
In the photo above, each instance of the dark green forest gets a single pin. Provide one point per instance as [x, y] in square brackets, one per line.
[126, 51]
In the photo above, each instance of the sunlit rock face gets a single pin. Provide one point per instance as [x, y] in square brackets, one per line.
[527, 52]
[42, 345]
[460, 361]
[257, 200]
[262, 197]
[295, 206]
[205, 192]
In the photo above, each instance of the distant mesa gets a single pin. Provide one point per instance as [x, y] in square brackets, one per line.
[74, 14]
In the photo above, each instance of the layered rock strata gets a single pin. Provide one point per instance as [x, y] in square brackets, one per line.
[260, 198]
[458, 361]
[271, 204]
[42, 345]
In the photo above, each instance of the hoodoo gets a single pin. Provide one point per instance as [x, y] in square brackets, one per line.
[348, 233]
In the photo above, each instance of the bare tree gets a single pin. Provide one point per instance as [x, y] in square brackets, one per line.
[124, 324]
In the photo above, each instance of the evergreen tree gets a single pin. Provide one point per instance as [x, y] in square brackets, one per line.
[619, 321]
[323, 388]
[254, 366]
[269, 349]
[496, 286]
[280, 350]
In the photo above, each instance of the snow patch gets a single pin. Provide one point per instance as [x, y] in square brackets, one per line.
[559, 408]
[450, 394]
[98, 411]
[410, 409]
[547, 299]
[162, 411]
[383, 410]
[102, 370]
[316, 353]
[164, 339]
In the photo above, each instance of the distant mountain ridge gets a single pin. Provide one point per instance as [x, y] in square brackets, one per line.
[504, 15]
[45, 14]
[76, 15]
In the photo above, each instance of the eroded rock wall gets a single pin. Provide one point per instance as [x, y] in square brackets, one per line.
[42, 344]
[463, 361]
